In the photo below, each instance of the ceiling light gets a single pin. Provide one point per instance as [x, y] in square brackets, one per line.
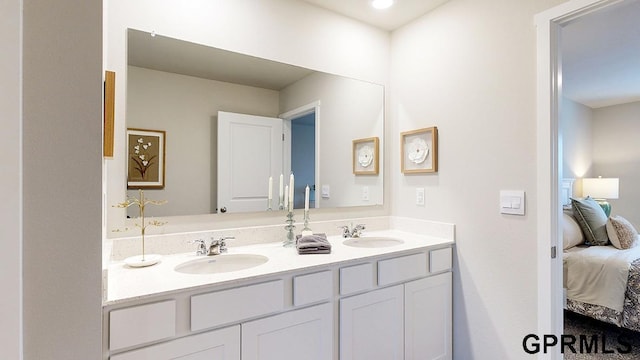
[382, 4]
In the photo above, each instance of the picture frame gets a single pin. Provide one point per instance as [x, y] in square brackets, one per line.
[419, 151]
[145, 159]
[109, 113]
[365, 155]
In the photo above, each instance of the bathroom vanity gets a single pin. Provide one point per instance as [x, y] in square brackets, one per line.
[390, 298]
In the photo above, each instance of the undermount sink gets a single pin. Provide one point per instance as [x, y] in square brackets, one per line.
[221, 263]
[372, 242]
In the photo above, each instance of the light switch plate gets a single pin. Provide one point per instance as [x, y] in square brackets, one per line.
[512, 202]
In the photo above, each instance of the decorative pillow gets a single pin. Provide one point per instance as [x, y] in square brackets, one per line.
[621, 233]
[571, 233]
[592, 220]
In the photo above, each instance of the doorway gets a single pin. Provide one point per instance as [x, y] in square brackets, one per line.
[549, 166]
[303, 158]
[301, 151]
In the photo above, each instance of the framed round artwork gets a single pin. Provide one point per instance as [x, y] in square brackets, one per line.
[419, 151]
[365, 156]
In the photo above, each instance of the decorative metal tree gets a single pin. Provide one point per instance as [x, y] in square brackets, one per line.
[141, 202]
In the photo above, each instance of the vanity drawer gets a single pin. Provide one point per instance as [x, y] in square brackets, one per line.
[235, 305]
[402, 269]
[141, 324]
[356, 278]
[217, 344]
[312, 288]
[440, 260]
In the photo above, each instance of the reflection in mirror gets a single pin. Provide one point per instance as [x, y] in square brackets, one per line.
[187, 90]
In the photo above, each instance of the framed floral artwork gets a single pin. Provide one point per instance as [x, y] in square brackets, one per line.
[365, 156]
[419, 151]
[145, 159]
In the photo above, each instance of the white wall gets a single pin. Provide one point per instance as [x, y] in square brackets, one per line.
[468, 67]
[575, 142]
[62, 131]
[355, 108]
[283, 30]
[186, 108]
[616, 154]
[10, 180]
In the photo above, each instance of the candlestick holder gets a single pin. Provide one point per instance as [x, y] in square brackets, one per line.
[269, 205]
[290, 241]
[281, 205]
[306, 230]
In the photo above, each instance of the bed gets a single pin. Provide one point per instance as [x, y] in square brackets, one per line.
[601, 281]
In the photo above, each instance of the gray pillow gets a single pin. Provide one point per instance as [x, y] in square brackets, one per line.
[592, 220]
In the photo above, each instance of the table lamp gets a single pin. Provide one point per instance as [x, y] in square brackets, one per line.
[601, 189]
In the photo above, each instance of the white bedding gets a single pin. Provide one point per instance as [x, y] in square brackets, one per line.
[598, 274]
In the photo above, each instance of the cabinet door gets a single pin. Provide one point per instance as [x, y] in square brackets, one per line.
[305, 334]
[223, 344]
[371, 325]
[428, 318]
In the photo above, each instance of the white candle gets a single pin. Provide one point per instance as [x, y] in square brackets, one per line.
[270, 188]
[280, 193]
[286, 197]
[291, 192]
[306, 198]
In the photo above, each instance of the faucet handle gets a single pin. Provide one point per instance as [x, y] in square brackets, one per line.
[202, 246]
[223, 242]
[357, 230]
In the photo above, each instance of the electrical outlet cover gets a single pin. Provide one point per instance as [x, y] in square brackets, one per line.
[420, 196]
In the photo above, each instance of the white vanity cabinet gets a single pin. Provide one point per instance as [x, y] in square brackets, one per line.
[223, 344]
[411, 320]
[299, 334]
[391, 306]
[428, 318]
[371, 325]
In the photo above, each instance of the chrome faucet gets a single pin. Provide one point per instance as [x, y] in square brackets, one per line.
[352, 231]
[216, 246]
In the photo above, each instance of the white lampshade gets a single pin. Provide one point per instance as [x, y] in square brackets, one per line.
[600, 188]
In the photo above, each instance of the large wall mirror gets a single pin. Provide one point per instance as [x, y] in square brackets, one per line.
[219, 111]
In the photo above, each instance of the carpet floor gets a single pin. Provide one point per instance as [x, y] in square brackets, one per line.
[609, 338]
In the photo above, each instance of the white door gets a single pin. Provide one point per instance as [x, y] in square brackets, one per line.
[428, 318]
[371, 325]
[249, 151]
[305, 334]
